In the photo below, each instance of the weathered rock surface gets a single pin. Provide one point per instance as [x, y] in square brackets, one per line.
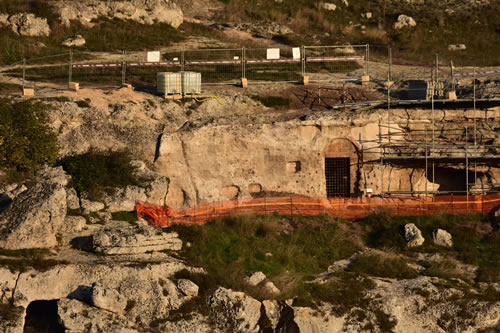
[234, 311]
[26, 24]
[142, 11]
[72, 200]
[271, 288]
[133, 240]
[187, 287]
[328, 6]
[89, 206]
[38, 211]
[457, 47]
[76, 316]
[404, 21]
[256, 278]
[154, 191]
[413, 235]
[442, 238]
[76, 41]
[108, 299]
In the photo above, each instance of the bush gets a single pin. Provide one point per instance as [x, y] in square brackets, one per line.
[27, 143]
[96, 173]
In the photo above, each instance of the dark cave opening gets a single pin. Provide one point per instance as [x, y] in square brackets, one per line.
[42, 317]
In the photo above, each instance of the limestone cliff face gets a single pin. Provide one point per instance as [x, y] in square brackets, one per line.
[235, 149]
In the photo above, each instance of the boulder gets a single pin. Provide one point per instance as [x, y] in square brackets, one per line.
[36, 215]
[134, 240]
[73, 224]
[76, 315]
[272, 310]
[234, 311]
[404, 21]
[187, 287]
[27, 24]
[457, 47]
[72, 200]
[271, 288]
[91, 206]
[328, 6]
[367, 15]
[442, 238]
[255, 278]
[75, 41]
[108, 299]
[413, 235]
[141, 11]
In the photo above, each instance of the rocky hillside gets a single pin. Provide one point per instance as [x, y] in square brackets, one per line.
[73, 254]
[68, 263]
[40, 27]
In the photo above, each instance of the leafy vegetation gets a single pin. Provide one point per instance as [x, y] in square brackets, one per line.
[96, 173]
[26, 141]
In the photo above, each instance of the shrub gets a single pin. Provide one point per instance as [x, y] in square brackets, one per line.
[96, 173]
[27, 143]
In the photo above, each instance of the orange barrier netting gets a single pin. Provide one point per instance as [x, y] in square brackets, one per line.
[348, 208]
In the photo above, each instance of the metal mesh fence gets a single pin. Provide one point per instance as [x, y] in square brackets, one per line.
[335, 63]
[273, 65]
[216, 66]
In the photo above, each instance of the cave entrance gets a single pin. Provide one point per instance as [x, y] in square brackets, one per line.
[338, 176]
[41, 316]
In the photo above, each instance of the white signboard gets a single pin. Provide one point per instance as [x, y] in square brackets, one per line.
[273, 53]
[153, 56]
[296, 53]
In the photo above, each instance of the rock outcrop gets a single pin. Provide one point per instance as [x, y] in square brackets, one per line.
[413, 235]
[404, 21]
[108, 299]
[76, 41]
[134, 240]
[142, 11]
[39, 211]
[442, 238]
[235, 311]
[26, 24]
[187, 287]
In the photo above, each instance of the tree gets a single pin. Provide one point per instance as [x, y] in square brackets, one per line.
[27, 143]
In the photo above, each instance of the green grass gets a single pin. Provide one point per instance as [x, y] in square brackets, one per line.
[383, 266]
[130, 217]
[233, 247]
[470, 245]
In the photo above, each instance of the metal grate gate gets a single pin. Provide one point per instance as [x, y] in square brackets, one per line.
[338, 176]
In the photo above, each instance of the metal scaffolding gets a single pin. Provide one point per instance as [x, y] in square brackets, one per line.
[432, 143]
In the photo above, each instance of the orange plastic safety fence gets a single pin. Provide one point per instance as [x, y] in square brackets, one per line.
[348, 208]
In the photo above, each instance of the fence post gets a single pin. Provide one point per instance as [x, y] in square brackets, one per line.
[390, 62]
[124, 68]
[182, 61]
[303, 60]
[24, 72]
[70, 69]
[367, 58]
